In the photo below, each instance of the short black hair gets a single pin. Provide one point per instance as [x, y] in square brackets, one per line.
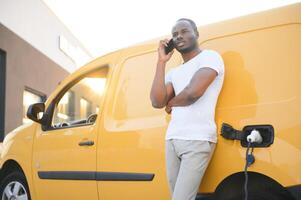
[192, 23]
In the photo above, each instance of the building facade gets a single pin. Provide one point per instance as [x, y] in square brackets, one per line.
[36, 52]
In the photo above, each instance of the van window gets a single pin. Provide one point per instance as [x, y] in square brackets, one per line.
[80, 104]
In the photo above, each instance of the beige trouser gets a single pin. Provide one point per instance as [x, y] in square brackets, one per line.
[186, 162]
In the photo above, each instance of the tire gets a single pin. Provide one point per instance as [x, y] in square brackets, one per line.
[260, 196]
[260, 187]
[14, 187]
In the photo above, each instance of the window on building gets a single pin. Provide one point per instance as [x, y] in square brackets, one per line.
[85, 108]
[30, 97]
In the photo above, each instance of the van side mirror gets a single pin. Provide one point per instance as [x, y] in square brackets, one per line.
[35, 112]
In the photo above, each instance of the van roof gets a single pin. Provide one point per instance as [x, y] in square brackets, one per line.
[274, 17]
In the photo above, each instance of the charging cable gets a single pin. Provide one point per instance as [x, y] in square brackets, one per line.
[254, 137]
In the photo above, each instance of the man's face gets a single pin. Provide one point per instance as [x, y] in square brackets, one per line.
[184, 37]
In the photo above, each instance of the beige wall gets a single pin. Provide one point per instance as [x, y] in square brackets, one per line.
[25, 67]
[34, 22]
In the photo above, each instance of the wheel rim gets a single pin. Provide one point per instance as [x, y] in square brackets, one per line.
[14, 191]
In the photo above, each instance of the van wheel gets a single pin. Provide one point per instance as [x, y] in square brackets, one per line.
[260, 187]
[14, 187]
[260, 196]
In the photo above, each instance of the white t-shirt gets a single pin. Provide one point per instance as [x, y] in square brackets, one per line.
[195, 121]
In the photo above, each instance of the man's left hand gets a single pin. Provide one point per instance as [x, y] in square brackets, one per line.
[168, 109]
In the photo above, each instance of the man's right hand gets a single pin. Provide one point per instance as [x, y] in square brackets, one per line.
[162, 57]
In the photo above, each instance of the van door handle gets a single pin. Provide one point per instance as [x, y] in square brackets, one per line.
[86, 143]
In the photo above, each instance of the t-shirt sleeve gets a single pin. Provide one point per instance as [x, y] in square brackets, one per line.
[168, 76]
[214, 61]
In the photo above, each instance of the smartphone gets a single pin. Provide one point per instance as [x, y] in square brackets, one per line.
[170, 46]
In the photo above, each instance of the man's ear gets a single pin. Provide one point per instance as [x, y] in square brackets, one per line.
[197, 34]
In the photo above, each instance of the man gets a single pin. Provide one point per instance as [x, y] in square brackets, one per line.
[189, 92]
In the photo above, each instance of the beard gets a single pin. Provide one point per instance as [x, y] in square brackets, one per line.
[188, 49]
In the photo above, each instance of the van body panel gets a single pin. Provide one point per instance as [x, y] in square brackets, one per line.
[59, 161]
[261, 86]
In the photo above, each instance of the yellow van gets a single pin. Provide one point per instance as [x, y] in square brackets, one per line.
[98, 136]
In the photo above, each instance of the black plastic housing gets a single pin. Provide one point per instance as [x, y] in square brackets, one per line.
[266, 131]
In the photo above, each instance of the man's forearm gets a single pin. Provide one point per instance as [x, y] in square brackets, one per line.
[184, 98]
[158, 91]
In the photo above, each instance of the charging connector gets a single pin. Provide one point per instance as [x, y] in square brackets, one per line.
[254, 137]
